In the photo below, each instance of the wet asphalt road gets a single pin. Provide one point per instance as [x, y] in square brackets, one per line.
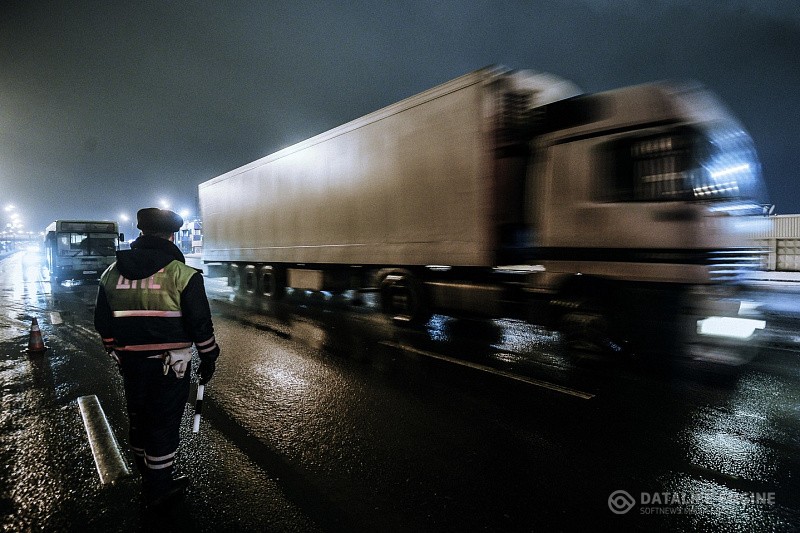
[325, 417]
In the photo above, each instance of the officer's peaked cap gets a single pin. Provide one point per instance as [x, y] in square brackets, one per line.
[155, 220]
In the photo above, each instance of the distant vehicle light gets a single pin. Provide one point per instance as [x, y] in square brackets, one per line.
[731, 327]
[519, 269]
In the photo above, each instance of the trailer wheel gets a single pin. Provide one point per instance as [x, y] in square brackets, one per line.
[270, 282]
[249, 280]
[403, 298]
[234, 278]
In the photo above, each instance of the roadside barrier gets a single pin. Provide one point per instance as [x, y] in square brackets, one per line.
[111, 466]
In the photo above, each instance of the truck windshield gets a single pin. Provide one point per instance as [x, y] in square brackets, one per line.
[729, 168]
[74, 244]
[715, 163]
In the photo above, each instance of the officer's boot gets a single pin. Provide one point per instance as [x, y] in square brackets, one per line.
[141, 465]
[161, 489]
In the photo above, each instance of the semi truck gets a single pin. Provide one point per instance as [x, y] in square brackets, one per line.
[80, 249]
[618, 218]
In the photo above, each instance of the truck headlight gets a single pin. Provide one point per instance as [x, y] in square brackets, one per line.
[731, 327]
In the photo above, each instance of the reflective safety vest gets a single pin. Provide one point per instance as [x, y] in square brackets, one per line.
[147, 312]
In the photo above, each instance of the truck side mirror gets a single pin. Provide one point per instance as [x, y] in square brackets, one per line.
[121, 236]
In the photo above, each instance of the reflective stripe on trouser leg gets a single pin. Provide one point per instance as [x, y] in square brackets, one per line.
[138, 458]
[156, 403]
[160, 463]
[165, 409]
[135, 398]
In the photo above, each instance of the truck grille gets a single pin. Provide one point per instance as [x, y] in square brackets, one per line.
[734, 265]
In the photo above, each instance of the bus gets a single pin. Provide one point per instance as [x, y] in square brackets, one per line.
[81, 249]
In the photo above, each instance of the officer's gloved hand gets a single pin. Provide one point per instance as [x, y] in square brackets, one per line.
[206, 370]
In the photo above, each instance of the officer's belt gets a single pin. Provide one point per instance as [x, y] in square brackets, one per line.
[163, 347]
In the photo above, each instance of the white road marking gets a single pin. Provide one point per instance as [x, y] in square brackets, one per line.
[494, 371]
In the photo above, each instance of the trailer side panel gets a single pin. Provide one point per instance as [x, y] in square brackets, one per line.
[407, 185]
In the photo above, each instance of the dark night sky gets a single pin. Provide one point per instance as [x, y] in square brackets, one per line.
[109, 106]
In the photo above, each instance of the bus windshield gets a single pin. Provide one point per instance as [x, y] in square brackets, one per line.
[73, 244]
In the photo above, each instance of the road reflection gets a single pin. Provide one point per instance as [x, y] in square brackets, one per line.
[359, 421]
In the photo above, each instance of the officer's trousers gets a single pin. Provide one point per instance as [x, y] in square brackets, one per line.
[156, 403]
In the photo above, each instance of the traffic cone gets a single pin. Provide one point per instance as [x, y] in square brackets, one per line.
[36, 343]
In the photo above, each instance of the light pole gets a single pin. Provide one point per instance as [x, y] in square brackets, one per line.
[125, 220]
[13, 226]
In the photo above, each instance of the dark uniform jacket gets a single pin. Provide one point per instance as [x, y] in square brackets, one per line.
[150, 301]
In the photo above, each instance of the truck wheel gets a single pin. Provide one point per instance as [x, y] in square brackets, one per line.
[587, 325]
[403, 298]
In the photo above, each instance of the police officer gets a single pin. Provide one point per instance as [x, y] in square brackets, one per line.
[151, 307]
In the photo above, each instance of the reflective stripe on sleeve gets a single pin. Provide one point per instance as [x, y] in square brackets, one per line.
[206, 345]
[145, 312]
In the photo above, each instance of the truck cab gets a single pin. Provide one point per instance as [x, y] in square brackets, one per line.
[643, 204]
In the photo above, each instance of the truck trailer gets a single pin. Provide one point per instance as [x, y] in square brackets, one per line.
[618, 218]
